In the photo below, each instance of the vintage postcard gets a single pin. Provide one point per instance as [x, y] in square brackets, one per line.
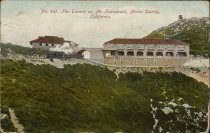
[104, 66]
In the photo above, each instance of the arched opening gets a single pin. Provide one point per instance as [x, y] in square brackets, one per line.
[169, 54]
[112, 53]
[140, 53]
[150, 54]
[130, 53]
[159, 54]
[83, 54]
[86, 54]
[108, 55]
[181, 54]
[120, 53]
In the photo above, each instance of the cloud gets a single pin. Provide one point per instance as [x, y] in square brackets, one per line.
[25, 25]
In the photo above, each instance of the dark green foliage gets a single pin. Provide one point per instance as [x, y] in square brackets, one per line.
[89, 98]
[6, 123]
[193, 32]
[197, 38]
[21, 50]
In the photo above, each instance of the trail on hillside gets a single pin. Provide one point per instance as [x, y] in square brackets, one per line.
[14, 120]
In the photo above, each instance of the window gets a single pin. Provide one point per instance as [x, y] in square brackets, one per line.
[46, 44]
[160, 47]
[169, 54]
[159, 54]
[40, 44]
[130, 53]
[108, 54]
[140, 53]
[120, 53]
[141, 47]
[170, 47]
[112, 53]
[181, 48]
[150, 47]
[181, 54]
[129, 47]
[149, 53]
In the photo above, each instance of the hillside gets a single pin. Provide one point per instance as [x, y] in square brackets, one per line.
[192, 31]
[84, 97]
[6, 48]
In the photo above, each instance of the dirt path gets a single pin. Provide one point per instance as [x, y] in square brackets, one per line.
[14, 120]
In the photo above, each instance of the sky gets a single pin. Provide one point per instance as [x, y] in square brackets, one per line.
[22, 21]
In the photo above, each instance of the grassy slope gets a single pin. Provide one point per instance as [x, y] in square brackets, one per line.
[197, 38]
[20, 49]
[89, 98]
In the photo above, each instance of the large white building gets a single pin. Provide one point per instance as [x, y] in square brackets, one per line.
[48, 42]
[145, 52]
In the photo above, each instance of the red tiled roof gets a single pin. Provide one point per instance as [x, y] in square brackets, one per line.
[49, 39]
[145, 41]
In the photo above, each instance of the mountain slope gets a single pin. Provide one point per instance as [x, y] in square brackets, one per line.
[17, 49]
[81, 98]
[192, 31]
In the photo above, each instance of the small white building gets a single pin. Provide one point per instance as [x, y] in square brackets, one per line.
[48, 42]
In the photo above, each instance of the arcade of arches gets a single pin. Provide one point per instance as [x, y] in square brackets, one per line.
[114, 53]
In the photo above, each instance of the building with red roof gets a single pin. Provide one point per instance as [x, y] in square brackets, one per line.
[48, 42]
[145, 52]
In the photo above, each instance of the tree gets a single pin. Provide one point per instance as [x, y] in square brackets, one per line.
[180, 17]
